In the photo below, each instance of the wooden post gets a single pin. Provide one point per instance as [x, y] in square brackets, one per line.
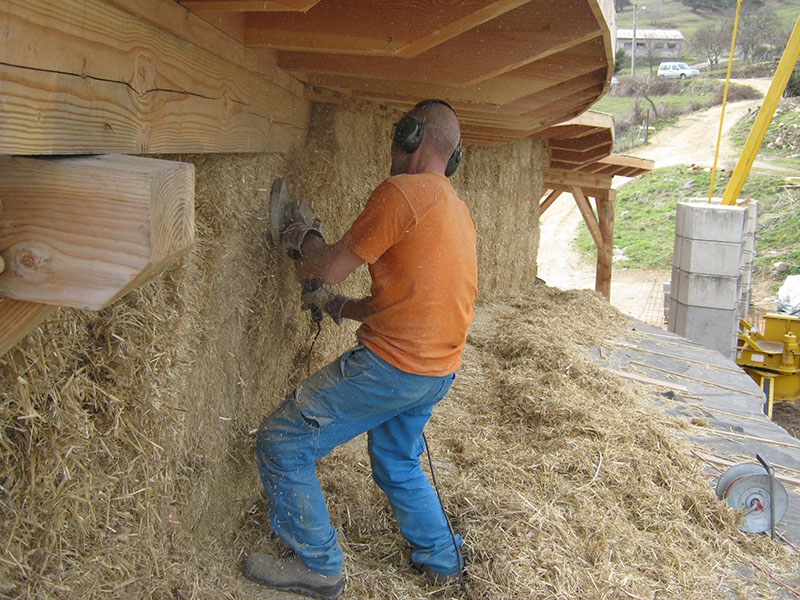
[605, 201]
[588, 214]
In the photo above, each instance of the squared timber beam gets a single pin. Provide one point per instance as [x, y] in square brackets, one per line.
[84, 231]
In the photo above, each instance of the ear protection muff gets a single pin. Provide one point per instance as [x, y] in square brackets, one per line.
[409, 131]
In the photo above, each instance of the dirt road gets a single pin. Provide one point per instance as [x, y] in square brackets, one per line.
[692, 141]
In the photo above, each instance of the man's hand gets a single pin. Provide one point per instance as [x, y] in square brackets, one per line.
[295, 234]
[319, 295]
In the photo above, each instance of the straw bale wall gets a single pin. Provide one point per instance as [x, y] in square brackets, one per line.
[127, 465]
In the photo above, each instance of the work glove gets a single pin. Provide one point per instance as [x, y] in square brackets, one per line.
[295, 234]
[317, 295]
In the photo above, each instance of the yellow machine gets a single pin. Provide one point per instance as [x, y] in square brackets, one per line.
[772, 358]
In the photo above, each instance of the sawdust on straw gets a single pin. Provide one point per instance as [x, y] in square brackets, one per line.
[561, 478]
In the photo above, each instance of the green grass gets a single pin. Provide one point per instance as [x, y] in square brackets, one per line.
[696, 92]
[673, 14]
[671, 97]
[644, 230]
[645, 212]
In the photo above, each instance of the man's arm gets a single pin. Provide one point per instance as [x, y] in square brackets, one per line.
[332, 263]
[356, 309]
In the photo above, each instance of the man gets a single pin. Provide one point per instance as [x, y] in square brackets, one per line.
[419, 241]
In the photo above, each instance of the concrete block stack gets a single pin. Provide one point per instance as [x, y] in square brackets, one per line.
[705, 292]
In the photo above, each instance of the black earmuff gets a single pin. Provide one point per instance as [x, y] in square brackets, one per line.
[408, 134]
[454, 161]
[409, 131]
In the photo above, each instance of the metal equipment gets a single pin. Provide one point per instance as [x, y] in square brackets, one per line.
[772, 358]
[762, 497]
[282, 213]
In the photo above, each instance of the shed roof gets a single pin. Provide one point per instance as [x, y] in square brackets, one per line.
[650, 34]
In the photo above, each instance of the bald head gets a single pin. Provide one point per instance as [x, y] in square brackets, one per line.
[426, 138]
[442, 131]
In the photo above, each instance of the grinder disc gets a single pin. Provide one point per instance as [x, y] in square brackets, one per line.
[751, 493]
[280, 210]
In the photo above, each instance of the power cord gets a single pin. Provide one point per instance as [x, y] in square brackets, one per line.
[313, 343]
[459, 558]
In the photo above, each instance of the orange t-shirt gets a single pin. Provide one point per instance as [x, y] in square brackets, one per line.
[420, 243]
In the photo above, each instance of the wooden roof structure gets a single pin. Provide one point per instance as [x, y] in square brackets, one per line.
[114, 79]
[511, 68]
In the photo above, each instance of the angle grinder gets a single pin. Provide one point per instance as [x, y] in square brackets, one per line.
[282, 213]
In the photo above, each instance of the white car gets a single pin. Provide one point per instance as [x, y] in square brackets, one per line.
[676, 70]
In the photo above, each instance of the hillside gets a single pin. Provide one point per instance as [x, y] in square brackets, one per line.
[673, 14]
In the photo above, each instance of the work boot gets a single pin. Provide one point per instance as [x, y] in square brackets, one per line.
[291, 575]
[437, 579]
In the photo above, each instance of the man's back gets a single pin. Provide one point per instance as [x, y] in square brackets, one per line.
[421, 245]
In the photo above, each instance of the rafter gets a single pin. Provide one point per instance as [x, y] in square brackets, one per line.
[249, 5]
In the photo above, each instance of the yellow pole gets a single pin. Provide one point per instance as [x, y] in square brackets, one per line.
[724, 100]
[765, 114]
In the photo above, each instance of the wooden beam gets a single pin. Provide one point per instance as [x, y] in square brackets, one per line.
[599, 138]
[100, 79]
[18, 319]
[511, 41]
[84, 231]
[249, 5]
[479, 17]
[551, 51]
[579, 157]
[605, 252]
[588, 214]
[549, 199]
[568, 179]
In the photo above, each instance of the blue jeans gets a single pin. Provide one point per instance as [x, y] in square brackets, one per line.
[357, 393]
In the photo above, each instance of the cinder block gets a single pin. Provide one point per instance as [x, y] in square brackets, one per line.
[712, 328]
[707, 257]
[713, 222]
[710, 291]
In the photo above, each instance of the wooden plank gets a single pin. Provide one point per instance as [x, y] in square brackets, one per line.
[100, 79]
[459, 26]
[84, 231]
[588, 215]
[533, 32]
[579, 157]
[599, 138]
[551, 51]
[649, 380]
[220, 33]
[18, 319]
[605, 253]
[567, 179]
[549, 199]
[249, 5]
[622, 160]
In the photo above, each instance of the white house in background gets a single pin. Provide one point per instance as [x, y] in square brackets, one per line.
[657, 43]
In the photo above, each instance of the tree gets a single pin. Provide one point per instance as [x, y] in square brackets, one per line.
[642, 87]
[758, 29]
[620, 5]
[711, 41]
[619, 59]
[715, 6]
